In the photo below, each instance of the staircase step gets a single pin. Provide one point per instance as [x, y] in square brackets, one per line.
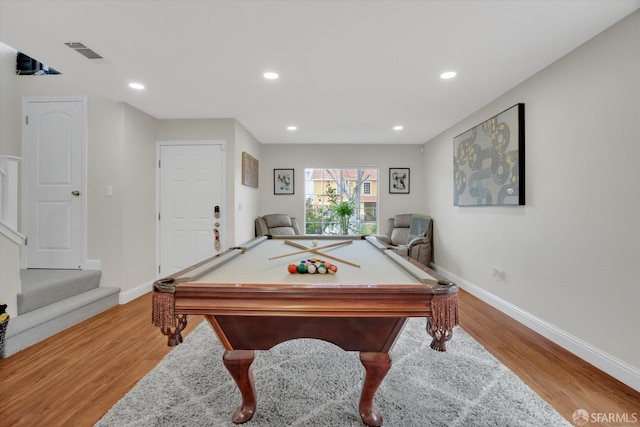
[34, 326]
[42, 287]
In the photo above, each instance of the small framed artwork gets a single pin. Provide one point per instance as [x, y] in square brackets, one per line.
[250, 169]
[283, 181]
[399, 180]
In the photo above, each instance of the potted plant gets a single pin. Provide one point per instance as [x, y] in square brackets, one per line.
[4, 322]
[344, 210]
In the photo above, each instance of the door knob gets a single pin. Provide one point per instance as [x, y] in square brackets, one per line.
[75, 193]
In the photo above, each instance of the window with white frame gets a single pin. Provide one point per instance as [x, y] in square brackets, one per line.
[342, 200]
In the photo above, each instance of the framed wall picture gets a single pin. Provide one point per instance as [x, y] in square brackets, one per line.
[399, 180]
[283, 181]
[488, 161]
[250, 171]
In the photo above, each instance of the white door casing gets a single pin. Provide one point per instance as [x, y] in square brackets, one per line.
[54, 140]
[191, 183]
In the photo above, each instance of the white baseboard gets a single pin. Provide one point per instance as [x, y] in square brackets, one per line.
[138, 291]
[618, 369]
[126, 296]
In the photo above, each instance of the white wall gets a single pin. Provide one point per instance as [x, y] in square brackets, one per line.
[105, 166]
[571, 256]
[139, 260]
[245, 200]
[299, 157]
[9, 135]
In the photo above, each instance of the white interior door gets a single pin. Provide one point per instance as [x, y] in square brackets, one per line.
[192, 183]
[53, 140]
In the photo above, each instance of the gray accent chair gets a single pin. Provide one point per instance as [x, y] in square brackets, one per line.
[277, 225]
[410, 235]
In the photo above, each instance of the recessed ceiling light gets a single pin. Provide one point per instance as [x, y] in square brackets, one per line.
[448, 75]
[292, 127]
[138, 86]
[398, 127]
[271, 75]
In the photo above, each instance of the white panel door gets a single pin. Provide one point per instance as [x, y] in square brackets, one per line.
[54, 139]
[192, 184]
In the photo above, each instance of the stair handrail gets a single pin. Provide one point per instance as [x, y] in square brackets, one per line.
[9, 166]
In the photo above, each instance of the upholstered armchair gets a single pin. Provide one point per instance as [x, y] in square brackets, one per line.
[277, 225]
[411, 235]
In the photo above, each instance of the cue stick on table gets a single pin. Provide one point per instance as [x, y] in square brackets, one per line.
[305, 249]
[317, 252]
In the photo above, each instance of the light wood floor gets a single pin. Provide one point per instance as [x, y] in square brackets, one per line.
[74, 377]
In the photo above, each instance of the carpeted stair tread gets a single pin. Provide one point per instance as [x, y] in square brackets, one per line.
[30, 328]
[44, 287]
[52, 311]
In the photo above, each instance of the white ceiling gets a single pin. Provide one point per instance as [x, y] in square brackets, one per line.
[349, 70]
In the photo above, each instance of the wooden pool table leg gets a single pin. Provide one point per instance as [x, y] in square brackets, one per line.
[376, 366]
[238, 363]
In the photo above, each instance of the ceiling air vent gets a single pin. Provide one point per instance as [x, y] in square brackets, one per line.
[83, 50]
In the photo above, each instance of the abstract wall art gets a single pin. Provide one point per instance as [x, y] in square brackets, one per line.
[488, 161]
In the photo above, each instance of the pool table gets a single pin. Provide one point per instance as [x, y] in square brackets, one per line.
[253, 302]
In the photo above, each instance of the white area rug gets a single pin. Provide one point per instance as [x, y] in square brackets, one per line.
[313, 383]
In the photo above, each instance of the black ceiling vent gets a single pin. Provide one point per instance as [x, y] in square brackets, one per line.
[83, 50]
[27, 66]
